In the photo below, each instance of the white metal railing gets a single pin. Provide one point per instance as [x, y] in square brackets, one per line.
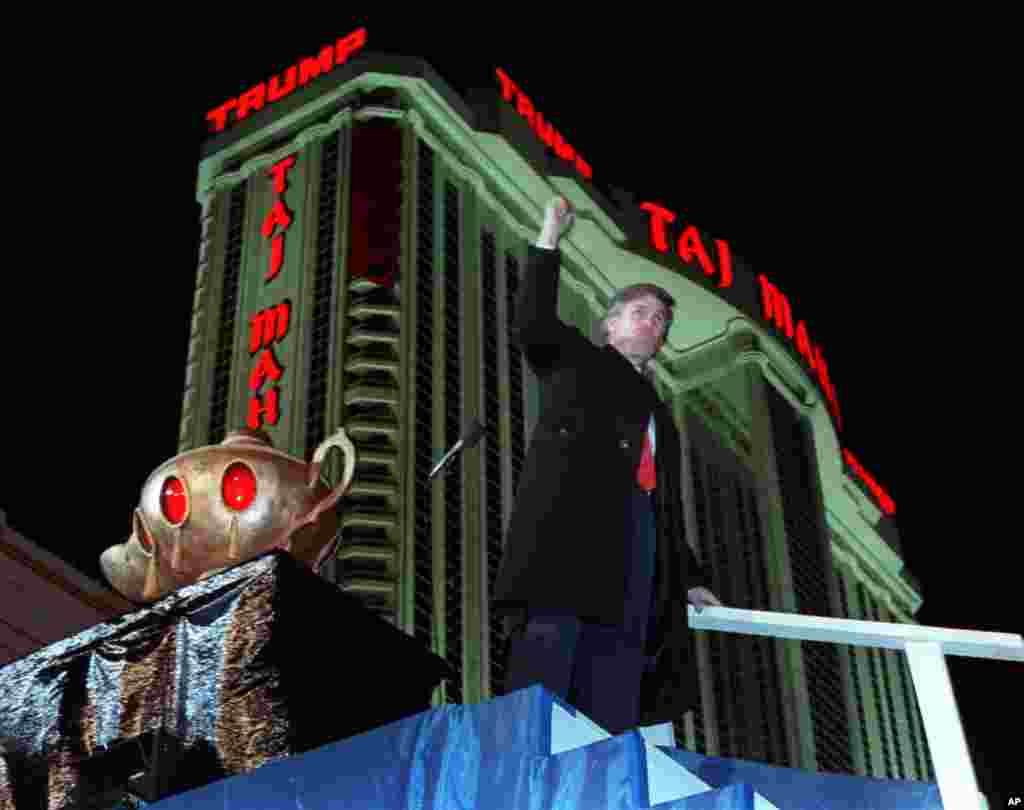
[926, 649]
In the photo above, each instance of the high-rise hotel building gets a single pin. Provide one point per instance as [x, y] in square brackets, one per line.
[364, 230]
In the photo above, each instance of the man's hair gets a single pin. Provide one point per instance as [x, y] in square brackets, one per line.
[631, 293]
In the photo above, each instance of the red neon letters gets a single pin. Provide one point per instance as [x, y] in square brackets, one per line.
[279, 215]
[296, 76]
[689, 247]
[547, 133]
[887, 504]
[270, 325]
[775, 309]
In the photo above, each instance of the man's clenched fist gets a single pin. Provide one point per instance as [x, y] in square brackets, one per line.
[558, 219]
[560, 210]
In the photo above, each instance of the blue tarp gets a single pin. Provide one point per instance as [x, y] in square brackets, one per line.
[733, 797]
[490, 755]
[493, 756]
[792, 789]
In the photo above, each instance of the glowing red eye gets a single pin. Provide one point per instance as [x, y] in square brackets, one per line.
[173, 500]
[239, 486]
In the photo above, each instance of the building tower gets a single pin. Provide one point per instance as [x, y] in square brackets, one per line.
[363, 230]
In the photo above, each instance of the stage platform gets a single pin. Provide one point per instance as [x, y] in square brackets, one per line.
[222, 696]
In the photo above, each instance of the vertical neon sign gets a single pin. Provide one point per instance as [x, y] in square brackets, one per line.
[270, 325]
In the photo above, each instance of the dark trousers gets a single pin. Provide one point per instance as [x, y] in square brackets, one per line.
[595, 668]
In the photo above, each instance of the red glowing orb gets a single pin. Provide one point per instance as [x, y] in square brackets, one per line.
[239, 486]
[173, 500]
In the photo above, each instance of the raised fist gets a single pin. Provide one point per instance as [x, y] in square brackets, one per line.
[560, 212]
[558, 219]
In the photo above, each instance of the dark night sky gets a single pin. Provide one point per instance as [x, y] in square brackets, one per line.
[859, 169]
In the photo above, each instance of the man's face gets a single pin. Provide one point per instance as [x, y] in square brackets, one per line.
[639, 332]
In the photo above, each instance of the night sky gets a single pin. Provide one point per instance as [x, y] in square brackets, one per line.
[862, 171]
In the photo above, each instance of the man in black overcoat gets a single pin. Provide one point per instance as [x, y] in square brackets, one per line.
[597, 573]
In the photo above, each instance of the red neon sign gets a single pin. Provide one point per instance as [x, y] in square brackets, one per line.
[270, 325]
[265, 328]
[547, 133]
[689, 247]
[883, 499]
[776, 309]
[279, 215]
[299, 75]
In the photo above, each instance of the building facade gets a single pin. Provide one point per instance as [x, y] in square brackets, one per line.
[362, 243]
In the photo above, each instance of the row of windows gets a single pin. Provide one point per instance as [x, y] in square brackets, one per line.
[732, 547]
[493, 498]
[453, 430]
[319, 365]
[808, 551]
[886, 668]
[371, 384]
[222, 368]
[423, 589]
[748, 723]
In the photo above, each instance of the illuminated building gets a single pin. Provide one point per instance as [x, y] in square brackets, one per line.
[363, 232]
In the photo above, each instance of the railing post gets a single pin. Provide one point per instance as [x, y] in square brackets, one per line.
[954, 770]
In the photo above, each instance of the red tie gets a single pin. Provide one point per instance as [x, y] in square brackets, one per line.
[645, 472]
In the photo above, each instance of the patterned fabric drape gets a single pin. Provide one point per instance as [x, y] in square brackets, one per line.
[254, 664]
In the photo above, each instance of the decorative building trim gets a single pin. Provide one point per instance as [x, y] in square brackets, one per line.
[886, 588]
[714, 410]
[264, 160]
[866, 508]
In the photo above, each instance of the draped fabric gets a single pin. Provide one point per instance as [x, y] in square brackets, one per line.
[231, 670]
[496, 756]
[492, 756]
[793, 789]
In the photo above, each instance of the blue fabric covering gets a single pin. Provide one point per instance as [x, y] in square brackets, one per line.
[490, 755]
[794, 789]
[733, 797]
[493, 756]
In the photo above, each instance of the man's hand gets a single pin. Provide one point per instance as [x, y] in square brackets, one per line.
[701, 597]
[558, 219]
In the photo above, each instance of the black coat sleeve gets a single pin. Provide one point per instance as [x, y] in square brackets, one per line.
[697, 574]
[536, 328]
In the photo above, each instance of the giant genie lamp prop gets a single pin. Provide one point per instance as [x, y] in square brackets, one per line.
[219, 505]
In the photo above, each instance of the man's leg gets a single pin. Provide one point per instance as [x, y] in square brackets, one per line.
[543, 653]
[610, 661]
[606, 680]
